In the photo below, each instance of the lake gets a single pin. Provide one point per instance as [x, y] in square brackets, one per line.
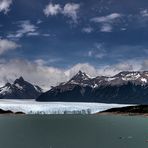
[73, 131]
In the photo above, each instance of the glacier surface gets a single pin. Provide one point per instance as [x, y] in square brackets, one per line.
[33, 107]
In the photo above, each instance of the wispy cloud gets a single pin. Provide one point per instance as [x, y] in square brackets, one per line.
[106, 28]
[39, 21]
[46, 34]
[47, 62]
[144, 12]
[25, 28]
[33, 34]
[106, 19]
[5, 5]
[87, 29]
[98, 51]
[106, 22]
[69, 10]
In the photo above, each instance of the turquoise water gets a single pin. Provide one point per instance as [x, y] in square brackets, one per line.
[73, 131]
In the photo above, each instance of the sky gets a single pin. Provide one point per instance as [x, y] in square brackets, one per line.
[49, 41]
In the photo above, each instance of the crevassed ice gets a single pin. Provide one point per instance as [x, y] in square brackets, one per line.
[33, 107]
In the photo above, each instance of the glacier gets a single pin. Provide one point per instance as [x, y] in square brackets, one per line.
[33, 107]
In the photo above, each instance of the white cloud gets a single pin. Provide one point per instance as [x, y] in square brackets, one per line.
[46, 34]
[26, 28]
[33, 34]
[6, 45]
[144, 13]
[34, 72]
[107, 70]
[5, 5]
[70, 10]
[106, 19]
[45, 76]
[100, 55]
[106, 28]
[107, 22]
[144, 65]
[51, 60]
[111, 70]
[39, 21]
[40, 62]
[52, 9]
[123, 29]
[87, 29]
[85, 67]
[38, 73]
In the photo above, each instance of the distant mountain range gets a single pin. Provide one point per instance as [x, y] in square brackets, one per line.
[125, 87]
[20, 89]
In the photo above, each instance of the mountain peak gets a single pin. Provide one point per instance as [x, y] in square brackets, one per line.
[127, 87]
[80, 77]
[80, 72]
[8, 84]
[19, 80]
[20, 89]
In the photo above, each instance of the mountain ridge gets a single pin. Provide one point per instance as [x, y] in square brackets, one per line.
[20, 89]
[125, 87]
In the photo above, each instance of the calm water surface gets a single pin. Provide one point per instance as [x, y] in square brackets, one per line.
[73, 131]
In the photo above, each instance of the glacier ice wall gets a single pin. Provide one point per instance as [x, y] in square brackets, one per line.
[33, 107]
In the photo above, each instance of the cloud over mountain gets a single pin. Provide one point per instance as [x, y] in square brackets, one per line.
[47, 76]
[6, 45]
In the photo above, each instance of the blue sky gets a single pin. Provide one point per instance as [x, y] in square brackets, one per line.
[61, 37]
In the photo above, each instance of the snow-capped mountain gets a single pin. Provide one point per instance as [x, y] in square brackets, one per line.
[137, 77]
[80, 78]
[20, 89]
[125, 87]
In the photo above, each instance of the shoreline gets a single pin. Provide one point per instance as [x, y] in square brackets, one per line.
[135, 110]
[124, 114]
[16, 107]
